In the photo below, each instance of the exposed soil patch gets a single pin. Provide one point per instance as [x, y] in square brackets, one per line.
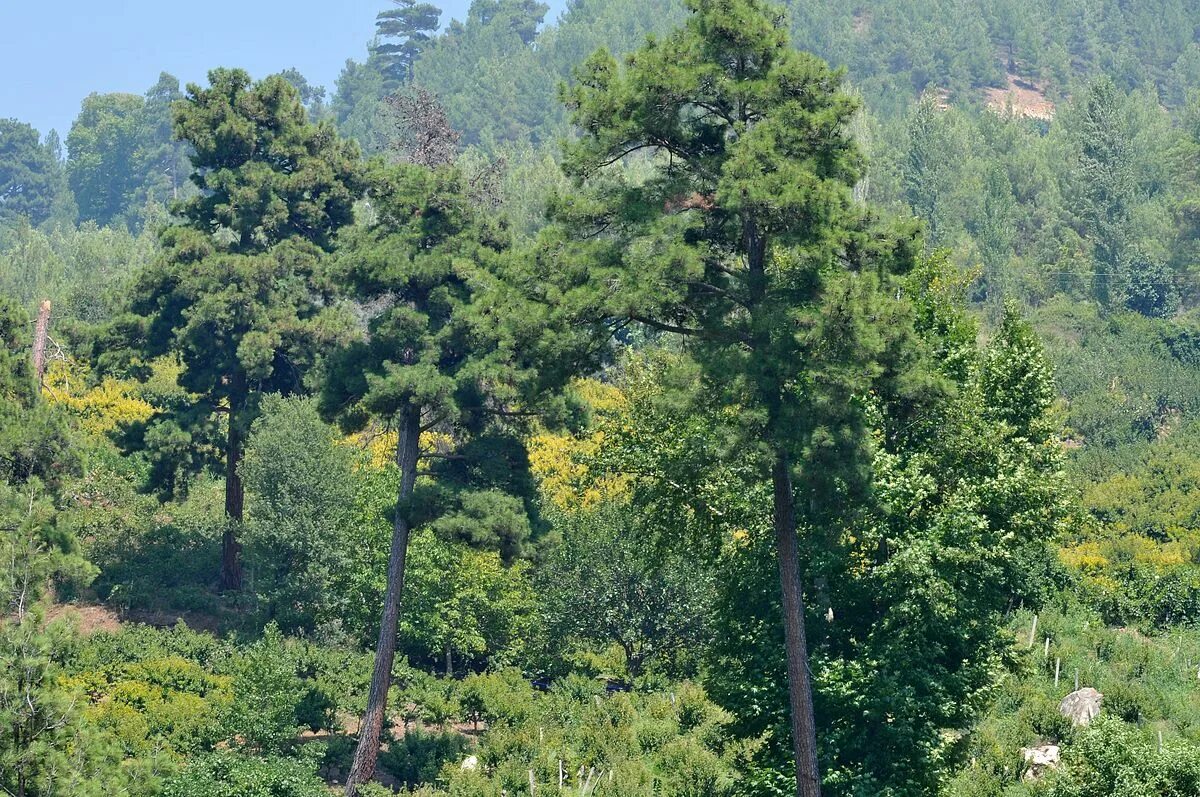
[1021, 97]
[91, 617]
[88, 618]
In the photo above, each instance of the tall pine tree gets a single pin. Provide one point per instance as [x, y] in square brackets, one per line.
[237, 294]
[426, 361]
[745, 242]
[405, 29]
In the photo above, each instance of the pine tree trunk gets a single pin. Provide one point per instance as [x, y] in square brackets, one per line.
[804, 728]
[367, 751]
[235, 500]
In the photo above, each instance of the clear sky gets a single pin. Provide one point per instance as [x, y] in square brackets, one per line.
[53, 54]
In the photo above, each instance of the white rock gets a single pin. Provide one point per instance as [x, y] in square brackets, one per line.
[1082, 706]
[1040, 758]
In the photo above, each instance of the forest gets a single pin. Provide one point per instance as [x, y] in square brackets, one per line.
[678, 397]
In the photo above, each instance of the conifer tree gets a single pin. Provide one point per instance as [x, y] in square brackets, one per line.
[407, 28]
[236, 294]
[427, 361]
[32, 182]
[744, 240]
[1107, 188]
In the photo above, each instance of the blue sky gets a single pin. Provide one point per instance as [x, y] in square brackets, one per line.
[53, 54]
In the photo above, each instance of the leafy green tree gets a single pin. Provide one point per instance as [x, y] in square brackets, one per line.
[267, 691]
[966, 496]
[464, 604]
[32, 182]
[1016, 378]
[102, 146]
[930, 166]
[909, 590]
[606, 584]
[236, 294]
[300, 481]
[405, 30]
[1106, 187]
[744, 241]
[123, 155]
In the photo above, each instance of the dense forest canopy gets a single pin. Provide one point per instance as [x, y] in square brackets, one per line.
[689, 397]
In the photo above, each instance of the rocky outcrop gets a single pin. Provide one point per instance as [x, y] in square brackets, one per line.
[1081, 706]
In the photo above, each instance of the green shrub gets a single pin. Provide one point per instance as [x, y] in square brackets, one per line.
[501, 697]
[418, 756]
[231, 775]
[267, 694]
[1113, 758]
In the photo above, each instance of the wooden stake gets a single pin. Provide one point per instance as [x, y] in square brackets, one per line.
[1046, 655]
[1077, 680]
[1033, 631]
[1057, 669]
[561, 775]
[532, 783]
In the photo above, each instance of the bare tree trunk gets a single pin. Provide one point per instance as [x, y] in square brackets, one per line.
[40, 335]
[804, 728]
[235, 497]
[449, 662]
[369, 731]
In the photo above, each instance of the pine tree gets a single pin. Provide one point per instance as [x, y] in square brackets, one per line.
[32, 182]
[744, 240]
[1107, 188]
[426, 362]
[237, 294]
[407, 29]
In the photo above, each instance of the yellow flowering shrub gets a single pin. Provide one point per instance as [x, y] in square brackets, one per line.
[100, 409]
[1086, 556]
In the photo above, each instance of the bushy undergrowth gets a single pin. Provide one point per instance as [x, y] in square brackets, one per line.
[1149, 685]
